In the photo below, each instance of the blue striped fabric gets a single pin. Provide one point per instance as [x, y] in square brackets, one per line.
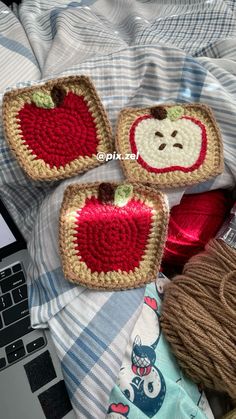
[137, 52]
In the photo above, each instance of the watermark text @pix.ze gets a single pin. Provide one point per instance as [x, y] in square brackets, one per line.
[101, 156]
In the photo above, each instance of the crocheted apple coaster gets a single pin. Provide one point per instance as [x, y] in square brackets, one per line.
[174, 145]
[112, 235]
[56, 129]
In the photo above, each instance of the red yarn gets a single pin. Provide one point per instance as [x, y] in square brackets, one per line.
[193, 223]
[62, 134]
[110, 238]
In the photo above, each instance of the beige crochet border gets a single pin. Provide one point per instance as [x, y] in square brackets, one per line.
[77, 271]
[213, 163]
[37, 169]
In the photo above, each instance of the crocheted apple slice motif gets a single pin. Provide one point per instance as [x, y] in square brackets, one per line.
[112, 236]
[174, 145]
[56, 130]
[165, 145]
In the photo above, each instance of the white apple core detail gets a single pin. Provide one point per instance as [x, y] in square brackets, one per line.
[160, 151]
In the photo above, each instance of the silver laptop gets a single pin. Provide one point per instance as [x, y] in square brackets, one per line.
[31, 381]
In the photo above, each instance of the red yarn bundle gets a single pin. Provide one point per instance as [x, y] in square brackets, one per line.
[193, 223]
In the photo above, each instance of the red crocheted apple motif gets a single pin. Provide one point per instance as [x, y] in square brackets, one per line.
[61, 134]
[112, 238]
[112, 234]
[164, 145]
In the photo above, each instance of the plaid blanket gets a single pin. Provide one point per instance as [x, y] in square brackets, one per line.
[137, 52]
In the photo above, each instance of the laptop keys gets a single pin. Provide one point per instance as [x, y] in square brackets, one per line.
[36, 344]
[6, 272]
[14, 346]
[14, 356]
[12, 282]
[2, 363]
[16, 313]
[17, 267]
[14, 317]
[15, 331]
[5, 301]
[19, 294]
[15, 351]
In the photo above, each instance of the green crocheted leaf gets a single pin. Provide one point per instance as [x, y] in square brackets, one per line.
[175, 112]
[43, 100]
[123, 194]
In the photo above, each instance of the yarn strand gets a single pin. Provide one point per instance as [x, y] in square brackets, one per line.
[227, 278]
[199, 317]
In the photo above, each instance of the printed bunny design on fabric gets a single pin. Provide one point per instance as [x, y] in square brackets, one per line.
[150, 381]
[118, 411]
[140, 380]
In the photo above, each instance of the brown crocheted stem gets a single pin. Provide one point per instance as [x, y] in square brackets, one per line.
[159, 112]
[58, 94]
[106, 193]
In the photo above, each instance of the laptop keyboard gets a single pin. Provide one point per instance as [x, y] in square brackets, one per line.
[14, 315]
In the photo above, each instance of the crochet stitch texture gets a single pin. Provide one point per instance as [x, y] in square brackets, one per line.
[56, 129]
[176, 145]
[107, 246]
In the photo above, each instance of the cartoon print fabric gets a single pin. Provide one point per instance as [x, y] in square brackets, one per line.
[150, 383]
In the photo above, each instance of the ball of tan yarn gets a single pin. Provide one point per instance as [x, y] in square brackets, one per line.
[199, 317]
[230, 415]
